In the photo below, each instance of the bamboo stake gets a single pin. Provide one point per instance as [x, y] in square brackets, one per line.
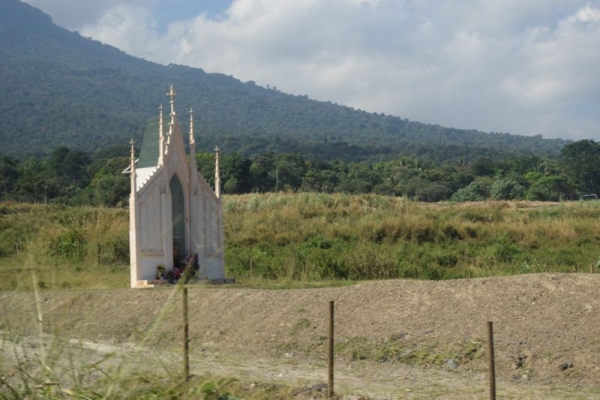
[186, 342]
[330, 393]
[491, 358]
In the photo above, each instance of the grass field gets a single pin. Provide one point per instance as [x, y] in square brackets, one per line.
[306, 238]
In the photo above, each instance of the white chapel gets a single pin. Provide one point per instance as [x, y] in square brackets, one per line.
[173, 213]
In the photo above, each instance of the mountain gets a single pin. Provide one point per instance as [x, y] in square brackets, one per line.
[59, 88]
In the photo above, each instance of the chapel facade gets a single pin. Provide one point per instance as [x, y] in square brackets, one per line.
[174, 215]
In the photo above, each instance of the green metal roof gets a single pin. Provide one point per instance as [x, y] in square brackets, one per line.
[149, 149]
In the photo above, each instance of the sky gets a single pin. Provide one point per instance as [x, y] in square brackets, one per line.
[525, 67]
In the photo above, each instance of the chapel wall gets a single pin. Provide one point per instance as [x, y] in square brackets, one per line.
[196, 229]
[214, 268]
[150, 221]
[211, 223]
[148, 266]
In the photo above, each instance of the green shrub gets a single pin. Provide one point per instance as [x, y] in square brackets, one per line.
[506, 189]
[71, 244]
[476, 191]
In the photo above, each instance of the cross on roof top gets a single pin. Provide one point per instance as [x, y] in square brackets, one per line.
[132, 143]
[172, 95]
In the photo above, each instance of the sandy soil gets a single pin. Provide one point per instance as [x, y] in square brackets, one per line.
[546, 329]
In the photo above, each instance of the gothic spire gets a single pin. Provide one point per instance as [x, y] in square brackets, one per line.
[193, 165]
[217, 173]
[161, 137]
[172, 95]
[192, 139]
[132, 166]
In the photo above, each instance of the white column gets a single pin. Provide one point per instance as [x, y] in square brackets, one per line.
[134, 247]
[193, 166]
[221, 236]
[217, 174]
[166, 231]
[161, 137]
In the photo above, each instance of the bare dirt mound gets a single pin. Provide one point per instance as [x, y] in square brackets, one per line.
[546, 326]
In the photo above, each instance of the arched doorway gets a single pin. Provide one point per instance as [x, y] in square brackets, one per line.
[178, 214]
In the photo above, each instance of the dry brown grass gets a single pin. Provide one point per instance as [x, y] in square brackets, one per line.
[317, 236]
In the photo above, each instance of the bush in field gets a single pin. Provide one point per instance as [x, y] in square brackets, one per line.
[506, 189]
[476, 191]
[71, 244]
[369, 263]
[549, 188]
[432, 192]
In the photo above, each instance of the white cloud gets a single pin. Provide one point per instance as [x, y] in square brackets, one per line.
[499, 65]
[130, 27]
[74, 14]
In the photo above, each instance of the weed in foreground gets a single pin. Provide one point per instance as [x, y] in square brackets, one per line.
[47, 367]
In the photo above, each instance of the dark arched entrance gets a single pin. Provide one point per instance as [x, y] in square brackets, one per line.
[178, 214]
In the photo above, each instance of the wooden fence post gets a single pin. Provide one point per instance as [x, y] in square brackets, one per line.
[330, 352]
[492, 368]
[186, 341]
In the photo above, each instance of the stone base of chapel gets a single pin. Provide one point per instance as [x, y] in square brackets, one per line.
[160, 282]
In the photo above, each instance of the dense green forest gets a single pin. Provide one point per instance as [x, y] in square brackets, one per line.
[68, 103]
[61, 89]
[75, 177]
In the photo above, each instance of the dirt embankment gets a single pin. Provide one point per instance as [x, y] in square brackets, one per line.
[546, 326]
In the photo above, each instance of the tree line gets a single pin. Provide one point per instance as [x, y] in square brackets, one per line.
[75, 177]
[59, 88]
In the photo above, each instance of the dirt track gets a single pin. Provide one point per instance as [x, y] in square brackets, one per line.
[546, 329]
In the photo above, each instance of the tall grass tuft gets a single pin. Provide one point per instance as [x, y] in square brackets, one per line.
[68, 247]
[322, 236]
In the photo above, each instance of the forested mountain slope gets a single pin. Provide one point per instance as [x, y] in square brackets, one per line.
[59, 88]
